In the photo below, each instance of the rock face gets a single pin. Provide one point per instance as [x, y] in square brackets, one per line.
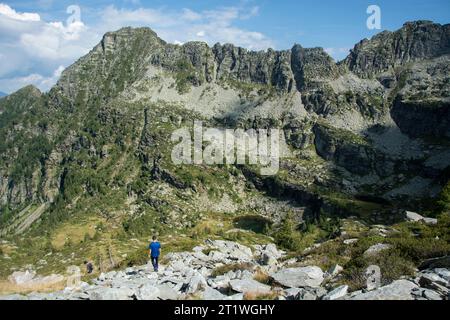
[415, 41]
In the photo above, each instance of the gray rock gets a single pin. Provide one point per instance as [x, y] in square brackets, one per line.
[337, 293]
[397, 290]
[22, 277]
[292, 293]
[148, 292]
[249, 286]
[427, 279]
[350, 241]
[413, 216]
[335, 270]
[377, 248]
[220, 282]
[104, 293]
[196, 283]
[213, 294]
[443, 273]
[299, 277]
[306, 295]
[168, 293]
[14, 297]
[430, 221]
[431, 295]
[268, 260]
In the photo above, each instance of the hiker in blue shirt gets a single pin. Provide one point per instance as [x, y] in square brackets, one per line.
[154, 252]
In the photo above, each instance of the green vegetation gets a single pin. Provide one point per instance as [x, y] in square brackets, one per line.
[343, 135]
[297, 237]
[185, 76]
[444, 199]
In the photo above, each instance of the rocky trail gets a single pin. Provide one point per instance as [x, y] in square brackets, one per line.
[225, 270]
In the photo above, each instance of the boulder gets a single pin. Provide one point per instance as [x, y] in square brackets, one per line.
[196, 283]
[219, 282]
[305, 294]
[299, 277]
[350, 241]
[249, 286]
[335, 270]
[14, 297]
[431, 295]
[415, 217]
[443, 273]
[397, 290]
[377, 248]
[213, 294]
[148, 292]
[337, 293]
[166, 292]
[292, 293]
[427, 279]
[22, 277]
[104, 293]
[268, 260]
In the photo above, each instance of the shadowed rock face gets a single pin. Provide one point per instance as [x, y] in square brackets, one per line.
[422, 118]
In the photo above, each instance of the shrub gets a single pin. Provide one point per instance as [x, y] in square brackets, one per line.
[262, 277]
[288, 235]
[391, 263]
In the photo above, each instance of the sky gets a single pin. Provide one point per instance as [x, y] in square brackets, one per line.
[39, 39]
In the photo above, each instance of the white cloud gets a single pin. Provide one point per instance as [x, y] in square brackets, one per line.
[42, 82]
[338, 53]
[200, 33]
[210, 26]
[189, 15]
[32, 48]
[55, 41]
[7, 11]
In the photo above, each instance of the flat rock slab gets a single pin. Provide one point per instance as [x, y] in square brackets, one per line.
[249, 286]
[397, 290]
[377, 248]
[337, 293]
[299, 277]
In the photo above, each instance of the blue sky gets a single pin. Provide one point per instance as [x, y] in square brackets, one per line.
[37, 41]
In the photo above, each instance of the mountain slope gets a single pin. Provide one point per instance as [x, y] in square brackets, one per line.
[364, 137]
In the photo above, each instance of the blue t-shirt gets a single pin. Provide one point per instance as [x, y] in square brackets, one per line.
[154, 247]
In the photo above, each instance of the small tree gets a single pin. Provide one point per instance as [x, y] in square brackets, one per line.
[288, 235]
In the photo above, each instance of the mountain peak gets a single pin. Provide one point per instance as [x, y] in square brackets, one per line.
[416, 40]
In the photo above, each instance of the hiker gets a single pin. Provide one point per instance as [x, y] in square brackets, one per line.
[154, 252]
[89, 267]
